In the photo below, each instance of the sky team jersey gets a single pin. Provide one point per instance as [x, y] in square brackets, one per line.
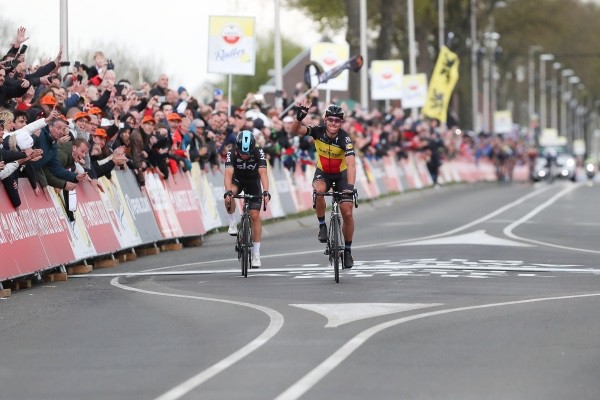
[331, 153]
[248, 167]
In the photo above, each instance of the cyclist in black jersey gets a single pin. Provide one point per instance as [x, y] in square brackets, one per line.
[246, 170]
[335, 163]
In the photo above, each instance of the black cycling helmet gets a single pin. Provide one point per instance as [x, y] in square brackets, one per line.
[245, 142]
[334, 111]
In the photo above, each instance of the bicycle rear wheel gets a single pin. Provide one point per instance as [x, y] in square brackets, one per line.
[335, 246]
[245, 250]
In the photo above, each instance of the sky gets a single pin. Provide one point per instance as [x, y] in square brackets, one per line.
[175, 31]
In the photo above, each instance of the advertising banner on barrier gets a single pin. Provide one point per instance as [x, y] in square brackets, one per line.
[392, 173]
[163, 210]
[423, 171]
[91, 210]
[205, 198]
[121, 218]
[21, 249]
[138, 206]
[218, 189]
[275, 204]
[287, 192]
[185, 205]
[304, 187]
[52, 227]
[80, 239]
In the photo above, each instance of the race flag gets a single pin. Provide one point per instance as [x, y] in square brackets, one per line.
[442, 82]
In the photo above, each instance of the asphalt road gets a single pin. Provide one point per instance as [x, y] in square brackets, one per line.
[487, 291]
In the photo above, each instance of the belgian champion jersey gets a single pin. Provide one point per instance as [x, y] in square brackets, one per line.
[248, 167]
[331, 152]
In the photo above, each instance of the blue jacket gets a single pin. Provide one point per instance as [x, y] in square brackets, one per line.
[49, 160]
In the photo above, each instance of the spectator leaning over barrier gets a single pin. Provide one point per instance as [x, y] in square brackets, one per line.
[336, 164]
[102, 159]
[47, 141]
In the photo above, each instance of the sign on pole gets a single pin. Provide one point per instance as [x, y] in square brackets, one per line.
[386, 79]
[414, 90]
[329, 55]
[231, 45]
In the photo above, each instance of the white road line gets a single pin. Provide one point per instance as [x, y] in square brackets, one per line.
[508, 231]
[313, 377]
[365, 246]
[275, 324]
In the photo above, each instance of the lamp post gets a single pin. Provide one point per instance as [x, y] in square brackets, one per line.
[490, 42]
[543, 59]
[564, 74]
[573, 80]
[531, 78]
[554, 96]
[474, 78]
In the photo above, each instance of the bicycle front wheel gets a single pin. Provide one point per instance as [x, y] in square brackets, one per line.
[245, 250]
[335, 246]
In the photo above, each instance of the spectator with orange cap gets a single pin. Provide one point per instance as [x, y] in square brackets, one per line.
[103, 161]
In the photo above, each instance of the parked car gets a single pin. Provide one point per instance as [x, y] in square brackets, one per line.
[554, 162]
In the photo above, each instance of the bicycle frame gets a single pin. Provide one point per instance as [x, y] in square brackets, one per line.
[244, 237]
[335, 241]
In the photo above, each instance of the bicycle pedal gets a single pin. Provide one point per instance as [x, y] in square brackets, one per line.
[326, 252]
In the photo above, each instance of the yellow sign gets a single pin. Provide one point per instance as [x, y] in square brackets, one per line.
[442, 82]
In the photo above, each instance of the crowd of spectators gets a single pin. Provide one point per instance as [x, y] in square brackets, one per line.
[64, 130]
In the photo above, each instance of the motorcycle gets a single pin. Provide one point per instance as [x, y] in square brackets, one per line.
[590, 170]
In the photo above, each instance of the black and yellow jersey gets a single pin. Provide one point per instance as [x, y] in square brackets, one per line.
[331, 152]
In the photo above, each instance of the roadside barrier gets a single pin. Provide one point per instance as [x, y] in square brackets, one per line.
[40, 241]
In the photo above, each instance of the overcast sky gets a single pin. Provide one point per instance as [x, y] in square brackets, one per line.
[175, 31]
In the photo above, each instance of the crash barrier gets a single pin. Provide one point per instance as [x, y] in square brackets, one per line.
[42, 235]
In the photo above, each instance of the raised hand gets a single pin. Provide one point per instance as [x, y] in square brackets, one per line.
[20, 36]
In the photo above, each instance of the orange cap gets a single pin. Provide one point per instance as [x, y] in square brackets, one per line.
[81, 114]
[101, 132]
[148, 118]
[95, 111]
[173, 117]
[48, 100]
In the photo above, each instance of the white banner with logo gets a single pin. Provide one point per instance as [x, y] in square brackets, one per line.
[386, 79]
[231, 45]
[414, 90]
[330, 55]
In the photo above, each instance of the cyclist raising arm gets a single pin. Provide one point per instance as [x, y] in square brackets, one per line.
[246, 170]
[335, 163]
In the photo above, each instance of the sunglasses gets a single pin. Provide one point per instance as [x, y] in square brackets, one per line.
[334, 120]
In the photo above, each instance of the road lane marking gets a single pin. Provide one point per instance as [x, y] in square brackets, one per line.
[508, 231]
[478, 237]
[275, 324]
[342, 313]
[313, 377]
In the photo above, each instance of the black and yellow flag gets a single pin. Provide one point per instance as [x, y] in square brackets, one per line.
[442, 82]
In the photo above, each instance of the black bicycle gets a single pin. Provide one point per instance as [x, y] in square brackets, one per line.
[335, 239]
[243, 244]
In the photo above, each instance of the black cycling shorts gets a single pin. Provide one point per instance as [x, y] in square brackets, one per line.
[250, 186]
[340, 179]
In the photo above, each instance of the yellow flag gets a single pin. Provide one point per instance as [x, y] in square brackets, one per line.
[441, 85]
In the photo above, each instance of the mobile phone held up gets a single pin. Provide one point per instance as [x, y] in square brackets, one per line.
[162, 99]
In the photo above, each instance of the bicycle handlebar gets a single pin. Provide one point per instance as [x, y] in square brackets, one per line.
[336, 196]
[248, 197]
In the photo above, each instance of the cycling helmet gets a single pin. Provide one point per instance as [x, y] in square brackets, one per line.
[245, 142]
[334, 111]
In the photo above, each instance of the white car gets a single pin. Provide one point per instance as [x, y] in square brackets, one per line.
[564, 166]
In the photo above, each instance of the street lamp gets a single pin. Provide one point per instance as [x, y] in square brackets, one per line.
[490, 41]
[474, 78]
[565, 73]
[553, 100]
[573, 80]
[531, 78]
[543, 59]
